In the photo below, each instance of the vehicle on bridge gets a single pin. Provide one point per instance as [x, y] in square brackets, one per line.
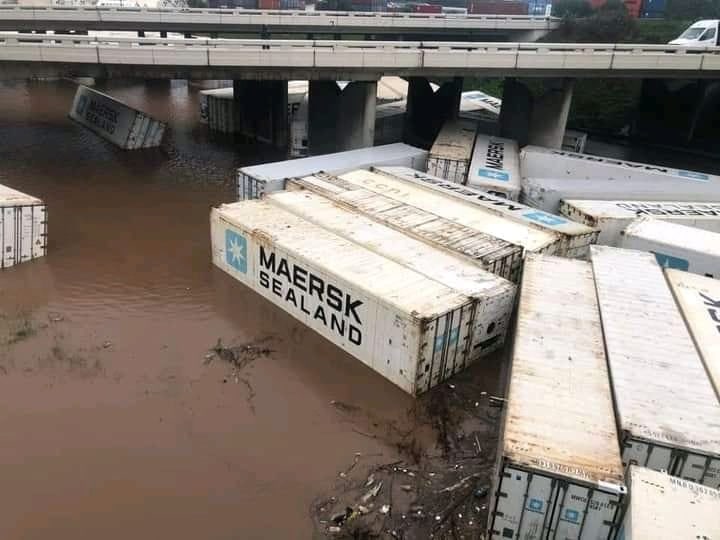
[699, 34]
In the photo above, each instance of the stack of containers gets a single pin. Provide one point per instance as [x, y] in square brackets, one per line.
[559, 472]
[23, 227]
[452, 150]
[415, 318]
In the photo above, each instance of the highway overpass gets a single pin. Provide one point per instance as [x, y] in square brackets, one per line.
[35, 56]
[268, 23]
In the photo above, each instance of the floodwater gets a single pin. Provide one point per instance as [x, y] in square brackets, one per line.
[114, 421]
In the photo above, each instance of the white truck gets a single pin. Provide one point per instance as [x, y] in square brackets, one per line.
[699, 34]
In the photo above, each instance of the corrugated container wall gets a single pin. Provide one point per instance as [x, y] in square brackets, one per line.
[23, 227]
[667, 410]
[559, 472]
[497, 256]
[612, 217]
[662, 507]
[675, 246]
[452, 150]
[410, 329]
[495, 166]
[576, 238]
[699, 300]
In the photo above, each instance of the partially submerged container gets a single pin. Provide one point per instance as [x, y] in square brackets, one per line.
[611, 217]
[546, 193]
[452, 150]
[23, 227]
[559, 472]
[667, 411]
[411, 329]
[576, 238]
[662, 507]
[699, 300]
[495, 166]
[675, 246]
[449, 207]
[115, 121]
[492, 254]
[493, 296]
[256, 180]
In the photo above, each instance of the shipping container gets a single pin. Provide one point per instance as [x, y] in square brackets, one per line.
[662, 507]
[493, 296]
[699, 301]
[23, 227]
[574, 141]
[675, 246]
[451, 152]
[495, 166]
[258, 179]
[474, 100]
[546, 193]
[559, 472]
[114, 121]
[268, 4]
[441, 204]
[611, 217]
[492, 254]
[667, 411]
[412, 330]
[497, 7]
[575, 237]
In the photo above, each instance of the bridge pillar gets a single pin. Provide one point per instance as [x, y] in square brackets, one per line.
[427, 110]
[341, 119]
[260, 111]
[540, 120]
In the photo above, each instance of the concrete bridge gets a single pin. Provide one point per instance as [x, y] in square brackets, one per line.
[267, 23]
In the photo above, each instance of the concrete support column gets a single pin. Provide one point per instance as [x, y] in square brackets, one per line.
[260, 109]
[427, 110]
[540, 120]
[341, 119]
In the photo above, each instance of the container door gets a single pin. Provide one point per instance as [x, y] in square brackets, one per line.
[583, 513]
[700, 469]
[39, 241]
[7, 237]
[25, 242]
[657, 458]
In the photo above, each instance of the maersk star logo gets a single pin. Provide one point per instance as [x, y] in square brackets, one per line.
[236, 251]
[501, 176]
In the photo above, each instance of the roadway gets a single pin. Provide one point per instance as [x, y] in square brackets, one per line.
[26, 56]
[265, 23]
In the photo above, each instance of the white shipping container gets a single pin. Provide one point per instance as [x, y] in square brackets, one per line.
[699, 300]
[540, 162]
[256, 180]
[206, 95]
[497, 256]
[546, 193]
[520, 234]
[675, 246]
[114, 121]
[23, 227]
[495, 166]
[452, 150]
[494, 296]
[412, 330]
[662, 507]
[667, 410]
[559, 472]
[576, 238]
[611, 217]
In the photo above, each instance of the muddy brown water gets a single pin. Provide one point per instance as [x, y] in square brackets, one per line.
[113, 422]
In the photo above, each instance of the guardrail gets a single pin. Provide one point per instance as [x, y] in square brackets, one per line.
[331, 20]
[386, 56]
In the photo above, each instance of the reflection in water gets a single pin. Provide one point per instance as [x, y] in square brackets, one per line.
[113, 423]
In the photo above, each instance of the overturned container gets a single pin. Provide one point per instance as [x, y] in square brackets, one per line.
[699, 300]
[667, 411]
[675, 246]
[611, 217]
[452, 150]
[576, 237]
[662, 507]
[494, 296]
[115, 121]
[411, 329]
[23, 227]
[490, 253]
[559, 472]
[256, 180]
[495, 166]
